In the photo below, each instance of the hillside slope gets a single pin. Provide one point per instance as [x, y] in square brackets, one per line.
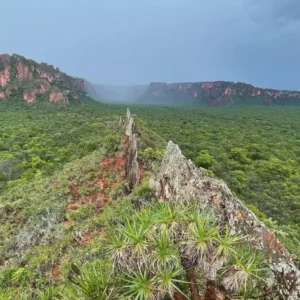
[216, 93]
[61, 235]
[28, 80]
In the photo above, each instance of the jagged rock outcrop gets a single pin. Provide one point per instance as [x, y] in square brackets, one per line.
[132, 172]
[216, 93]
[28, 79]
[179, 180]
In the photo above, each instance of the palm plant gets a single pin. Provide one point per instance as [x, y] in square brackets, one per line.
[140, 286]
[224, 247]
[116, 246]
[165, 253]
[162, 244]
[245, 269]
[170, 216]
[167, 280]
[198, 240]
[95, 282]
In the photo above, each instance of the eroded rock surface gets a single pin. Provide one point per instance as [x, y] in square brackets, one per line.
[179, 180]
[132, 172]
[19, 75]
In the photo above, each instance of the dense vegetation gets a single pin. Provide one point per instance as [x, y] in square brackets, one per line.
[255, 149]
[36, 140]
[54, 196]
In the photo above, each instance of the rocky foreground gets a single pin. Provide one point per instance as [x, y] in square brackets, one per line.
[178, 179]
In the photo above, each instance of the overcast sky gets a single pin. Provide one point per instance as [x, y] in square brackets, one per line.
[138, 41]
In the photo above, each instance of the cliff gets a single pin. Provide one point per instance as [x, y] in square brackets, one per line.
[28, 80]
[216, 93]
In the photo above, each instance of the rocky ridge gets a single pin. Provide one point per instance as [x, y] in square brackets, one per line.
[28, 80]
[179, 180]
[215, 93]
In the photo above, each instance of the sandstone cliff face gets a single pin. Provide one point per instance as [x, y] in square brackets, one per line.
[215, 93]
[28, 79]
[179, 180]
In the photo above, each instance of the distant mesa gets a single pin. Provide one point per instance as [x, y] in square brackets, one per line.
[28, 80]
[215, 93]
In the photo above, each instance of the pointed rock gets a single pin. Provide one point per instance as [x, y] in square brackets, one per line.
[178, 179]
[132, 172]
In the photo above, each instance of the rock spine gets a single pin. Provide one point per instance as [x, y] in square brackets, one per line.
[179, 180]
[132, 172]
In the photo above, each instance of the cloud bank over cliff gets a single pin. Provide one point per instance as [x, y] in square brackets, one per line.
[135, 42]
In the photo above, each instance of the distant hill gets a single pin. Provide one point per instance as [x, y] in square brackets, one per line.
[28, 80]
[120, 93]
[215, 93]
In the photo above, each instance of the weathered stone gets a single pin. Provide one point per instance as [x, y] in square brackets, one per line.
[179, 180]
[121, 121]
[132, 172]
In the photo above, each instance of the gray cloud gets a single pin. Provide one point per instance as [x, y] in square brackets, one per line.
[278, 10]
[289, 9]
[137, 41]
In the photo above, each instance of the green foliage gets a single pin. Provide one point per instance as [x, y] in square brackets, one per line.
[152, 154]
[143, 189]
[254, 149]
[1, 65]
[153, 248]
[112, 142]
[204, 160]
[94, 281]
[46, 150]
[39, 139]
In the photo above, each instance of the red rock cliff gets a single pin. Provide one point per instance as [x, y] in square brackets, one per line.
[28, 79]
[216, 93]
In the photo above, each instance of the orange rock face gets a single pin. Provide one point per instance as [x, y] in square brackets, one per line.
[23, 72]
[215, 93]
[56, 97]
[18, 73]
[4, 77]
[29, 97]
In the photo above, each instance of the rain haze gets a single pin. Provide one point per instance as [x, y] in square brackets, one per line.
[138, 41]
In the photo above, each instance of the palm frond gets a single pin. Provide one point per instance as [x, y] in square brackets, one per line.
[140, 286]
[246, 267]
[165, 253]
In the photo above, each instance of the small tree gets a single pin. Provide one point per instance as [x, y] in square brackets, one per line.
[9, 168]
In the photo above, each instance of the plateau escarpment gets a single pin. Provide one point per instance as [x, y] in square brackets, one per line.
[216, 93]
[27, 79]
